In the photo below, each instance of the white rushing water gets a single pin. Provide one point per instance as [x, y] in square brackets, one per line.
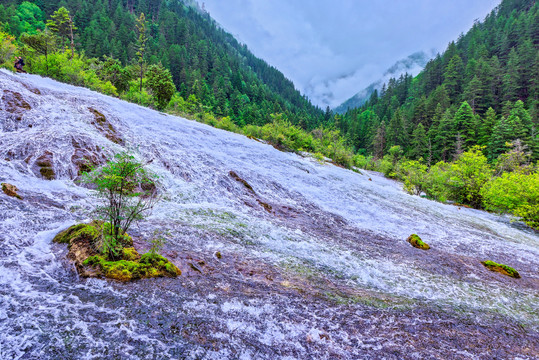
[345, 226]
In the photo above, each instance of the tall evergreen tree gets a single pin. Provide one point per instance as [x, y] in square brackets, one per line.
[419, 146]
[142, 39]
[453, 76]
[464, 124]
[62, 24]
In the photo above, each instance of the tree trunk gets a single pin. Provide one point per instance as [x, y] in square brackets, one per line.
[72, 42]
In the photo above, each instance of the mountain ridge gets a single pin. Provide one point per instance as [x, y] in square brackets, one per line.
[412, 65]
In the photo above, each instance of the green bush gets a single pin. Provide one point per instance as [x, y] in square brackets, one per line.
[514, 193]
[435, 185]
[414, 174]
[159, 82]
[467, 175]
[7, 48]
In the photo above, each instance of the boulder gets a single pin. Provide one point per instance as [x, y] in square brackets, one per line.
[416, 242]
[501, 268]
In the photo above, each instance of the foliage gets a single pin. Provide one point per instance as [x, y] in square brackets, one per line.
[467, 175]
[414, 174]
[159, 82]
[435, 185]
[62, 25]
[480, 91]
[157, 242]
[42, 42]
[7, 47]
[128, 193]
[112, 70]
[515, 193]
[78, 71]
[142, 39]
[28, 18]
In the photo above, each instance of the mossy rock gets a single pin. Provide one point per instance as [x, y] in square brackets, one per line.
[11, 190]
[89, 233]
[83, 242]
[146, 266]
[501, 268]
[130, 254]
[416, 242]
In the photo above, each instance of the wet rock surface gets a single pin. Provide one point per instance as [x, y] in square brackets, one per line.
[325, 274]
[105, 127]
[11, 190]
[14, 104]
[43, 166]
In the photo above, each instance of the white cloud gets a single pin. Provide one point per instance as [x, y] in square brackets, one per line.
[332, 49]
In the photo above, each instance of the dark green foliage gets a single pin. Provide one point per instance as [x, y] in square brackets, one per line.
[142, 39]
[464, 125]
[159, 82]
[42, 42]
[62, 25]
[113, 71]
[459, 95]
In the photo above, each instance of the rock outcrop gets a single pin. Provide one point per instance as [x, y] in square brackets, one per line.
[416, 242]
[501, 268]
[83, 240]
[11, 190]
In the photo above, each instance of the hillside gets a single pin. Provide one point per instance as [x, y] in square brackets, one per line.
[309, 261]
[411, 65]
[224, 77]
[483, 90]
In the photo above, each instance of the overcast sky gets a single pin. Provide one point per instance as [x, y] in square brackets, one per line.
[331, 49]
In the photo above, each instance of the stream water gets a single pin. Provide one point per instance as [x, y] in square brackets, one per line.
[313, 263]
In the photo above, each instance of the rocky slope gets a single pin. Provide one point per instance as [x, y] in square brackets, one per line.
[281, 257]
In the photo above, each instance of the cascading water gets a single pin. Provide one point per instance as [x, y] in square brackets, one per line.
[312, 260]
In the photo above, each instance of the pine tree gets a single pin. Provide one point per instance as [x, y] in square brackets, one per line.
[141, 44]
[160, 84]
[474, 93]
[501, 135]
[453, 76]
[419, 145]
[379, 141]
[511, 78]
[62, 24]
[486, 127]
[464, 124]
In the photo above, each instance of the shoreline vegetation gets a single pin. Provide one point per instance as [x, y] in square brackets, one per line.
[505, 180]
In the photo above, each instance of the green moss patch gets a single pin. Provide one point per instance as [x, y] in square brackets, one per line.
[501, 268]
[416, 242]
[89, 233]
[147, 266]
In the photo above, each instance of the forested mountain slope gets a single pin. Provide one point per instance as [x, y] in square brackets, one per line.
[204, 60]
[412, 64]
[483, 90]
